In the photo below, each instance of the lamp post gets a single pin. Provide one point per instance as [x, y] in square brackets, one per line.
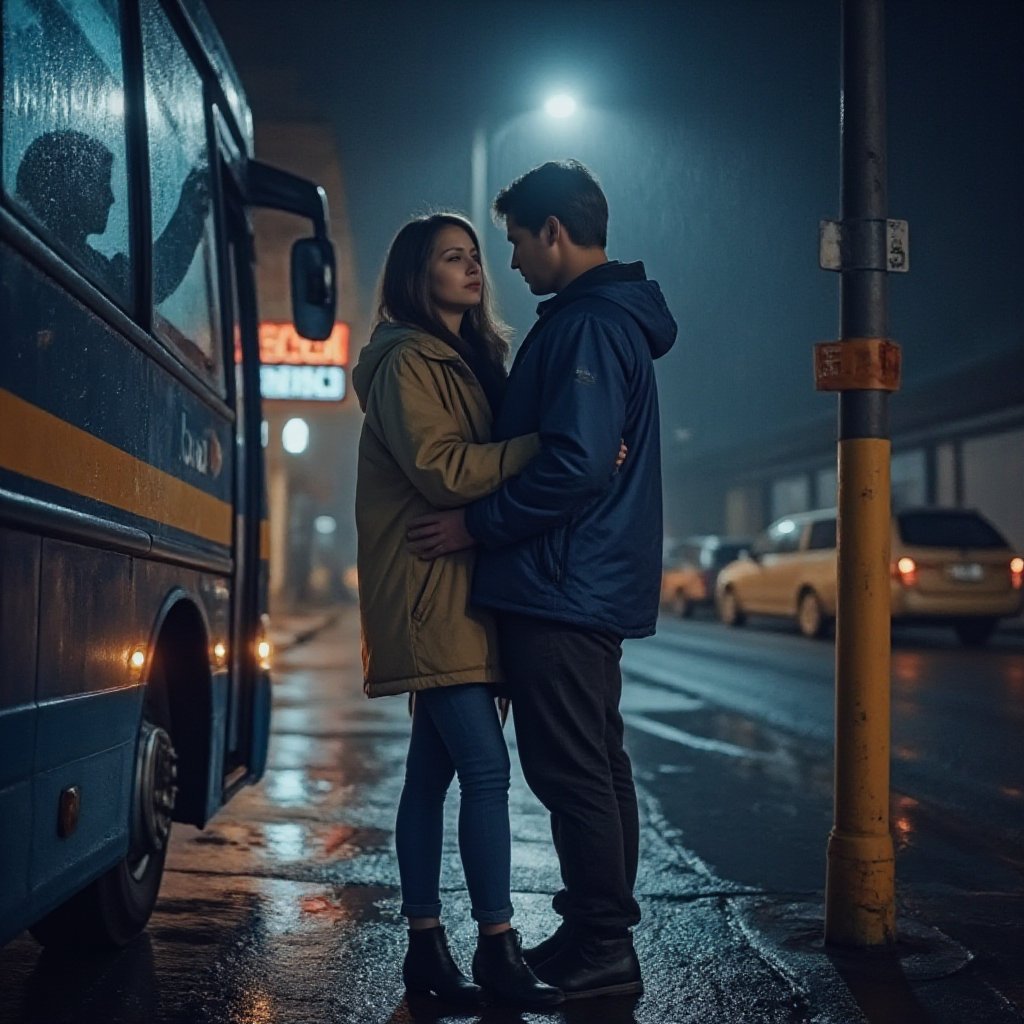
[558, 106]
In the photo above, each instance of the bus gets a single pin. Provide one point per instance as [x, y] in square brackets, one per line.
[134, 673]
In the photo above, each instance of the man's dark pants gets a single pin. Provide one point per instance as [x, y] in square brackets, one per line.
[565, 686]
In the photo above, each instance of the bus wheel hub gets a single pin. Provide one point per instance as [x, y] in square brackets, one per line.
[156, 790]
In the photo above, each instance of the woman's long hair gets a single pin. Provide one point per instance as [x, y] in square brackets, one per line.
[404, 294]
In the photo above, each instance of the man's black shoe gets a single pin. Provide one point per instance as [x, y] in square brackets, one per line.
[594, 966]
[554, 943]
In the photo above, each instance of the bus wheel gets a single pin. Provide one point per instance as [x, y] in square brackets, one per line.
[115, 908]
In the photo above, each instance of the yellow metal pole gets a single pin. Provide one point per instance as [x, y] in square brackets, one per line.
[860, 880]
[864, 367]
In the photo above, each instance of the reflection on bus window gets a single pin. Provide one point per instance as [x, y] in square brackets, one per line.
[63, 131]
[184, 257]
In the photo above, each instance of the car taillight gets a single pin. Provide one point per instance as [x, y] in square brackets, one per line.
[905, 570]
[1016, 572]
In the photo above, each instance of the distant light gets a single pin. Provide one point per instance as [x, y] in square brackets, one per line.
[787, 526]
[560, 105]
[295, 436]
[325, 524]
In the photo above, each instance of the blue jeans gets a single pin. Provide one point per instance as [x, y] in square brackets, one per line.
[456, 731]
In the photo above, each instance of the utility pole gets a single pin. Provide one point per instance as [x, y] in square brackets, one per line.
[863, 366]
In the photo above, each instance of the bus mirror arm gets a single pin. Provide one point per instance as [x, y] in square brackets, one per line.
[279, 190]
[313, 269]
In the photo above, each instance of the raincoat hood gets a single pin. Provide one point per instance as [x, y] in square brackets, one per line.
[384, 340]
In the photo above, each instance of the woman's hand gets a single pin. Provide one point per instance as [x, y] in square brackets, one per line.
[623, 452]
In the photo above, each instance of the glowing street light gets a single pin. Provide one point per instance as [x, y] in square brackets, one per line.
[560, 105]
[295, 436]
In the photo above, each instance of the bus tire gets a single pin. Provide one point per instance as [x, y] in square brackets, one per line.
[114, 908]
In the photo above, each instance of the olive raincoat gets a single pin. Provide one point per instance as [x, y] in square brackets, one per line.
[425, 445]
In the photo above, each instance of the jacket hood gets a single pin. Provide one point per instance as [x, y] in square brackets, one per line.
[626, 285]
[384, 340]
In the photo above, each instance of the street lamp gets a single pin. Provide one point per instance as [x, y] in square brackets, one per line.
[559, 106]
[295, 436]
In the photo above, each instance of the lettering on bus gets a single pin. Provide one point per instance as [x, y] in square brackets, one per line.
[201, 452]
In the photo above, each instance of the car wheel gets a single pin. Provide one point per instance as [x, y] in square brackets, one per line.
[681, 606]
[974, 632]
[114, 908]
[809, 616]
[729, 610]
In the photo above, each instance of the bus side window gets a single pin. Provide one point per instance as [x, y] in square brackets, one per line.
[64, 148]
[185, 296]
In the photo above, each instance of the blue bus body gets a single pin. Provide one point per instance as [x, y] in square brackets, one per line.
[134, 684]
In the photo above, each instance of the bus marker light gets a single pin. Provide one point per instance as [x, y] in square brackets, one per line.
[137, 658]
[263, 651]
[220, 652]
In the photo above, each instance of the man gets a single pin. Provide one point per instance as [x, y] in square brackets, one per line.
[570, 555]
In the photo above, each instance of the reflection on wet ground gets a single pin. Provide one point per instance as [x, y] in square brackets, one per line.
[285, 909]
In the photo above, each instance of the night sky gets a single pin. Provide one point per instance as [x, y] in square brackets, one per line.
[714, 127]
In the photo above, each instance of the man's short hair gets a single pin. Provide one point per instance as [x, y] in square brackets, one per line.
[564, 189]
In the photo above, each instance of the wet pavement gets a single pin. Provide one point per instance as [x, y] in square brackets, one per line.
[285, 909]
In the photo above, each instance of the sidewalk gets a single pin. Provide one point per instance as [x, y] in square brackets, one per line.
[713, 951]
[292, 628]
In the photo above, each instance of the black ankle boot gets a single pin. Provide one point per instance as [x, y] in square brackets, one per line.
[554, 943]
[429, 967]
[499, 967]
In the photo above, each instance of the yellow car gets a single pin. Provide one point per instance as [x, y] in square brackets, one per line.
[948, 565]
[691, 568]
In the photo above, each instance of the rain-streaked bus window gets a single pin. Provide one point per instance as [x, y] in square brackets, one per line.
[185, 296]
[64, 149]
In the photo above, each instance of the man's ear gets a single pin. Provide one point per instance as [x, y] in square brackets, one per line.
[551, 230]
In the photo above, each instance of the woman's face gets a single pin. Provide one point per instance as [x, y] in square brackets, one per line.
[456, 277]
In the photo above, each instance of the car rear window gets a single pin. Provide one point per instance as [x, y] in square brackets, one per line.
[948, 530]
[726, 553]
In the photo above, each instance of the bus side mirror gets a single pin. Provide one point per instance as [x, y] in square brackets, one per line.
[314, 288]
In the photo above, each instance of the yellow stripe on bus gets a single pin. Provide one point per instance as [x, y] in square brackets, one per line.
[42, 446]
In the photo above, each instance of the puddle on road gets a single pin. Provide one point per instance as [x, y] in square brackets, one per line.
[233, 847]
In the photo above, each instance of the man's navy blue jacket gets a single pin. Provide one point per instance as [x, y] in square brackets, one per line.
[570, 538]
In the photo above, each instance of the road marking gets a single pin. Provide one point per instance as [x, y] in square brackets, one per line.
[639, 697]
[687, 739]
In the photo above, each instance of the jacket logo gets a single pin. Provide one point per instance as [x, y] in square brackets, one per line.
[584, 376]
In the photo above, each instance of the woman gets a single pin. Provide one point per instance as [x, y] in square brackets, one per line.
[429, 381]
